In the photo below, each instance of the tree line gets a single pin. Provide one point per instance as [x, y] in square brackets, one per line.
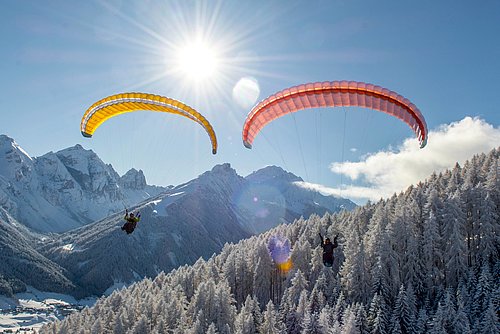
[426, 260]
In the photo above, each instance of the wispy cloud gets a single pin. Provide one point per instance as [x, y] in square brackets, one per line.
[386, 172]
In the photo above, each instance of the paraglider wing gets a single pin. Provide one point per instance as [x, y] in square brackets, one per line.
[333, 94]
[118, 104]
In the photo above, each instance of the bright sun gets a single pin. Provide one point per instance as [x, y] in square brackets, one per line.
[197, 60]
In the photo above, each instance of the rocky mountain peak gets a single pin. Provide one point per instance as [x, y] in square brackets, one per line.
[272, 173]
[15, 163]
[133, 179]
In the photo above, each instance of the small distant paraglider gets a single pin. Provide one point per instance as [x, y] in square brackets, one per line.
[117, 104]
[328, 248]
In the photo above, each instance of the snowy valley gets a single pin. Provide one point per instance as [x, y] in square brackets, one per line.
[424, 261]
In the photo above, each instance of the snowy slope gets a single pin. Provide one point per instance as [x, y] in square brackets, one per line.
[71, 189]
[170, 233]
[274, 190]
[26, 312]
[21, 264]
[64, 190]
[424, 261]
[179, 226]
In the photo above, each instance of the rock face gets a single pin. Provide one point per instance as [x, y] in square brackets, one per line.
[64, 190]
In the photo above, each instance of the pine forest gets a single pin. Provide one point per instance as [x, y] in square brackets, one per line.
[425, 260]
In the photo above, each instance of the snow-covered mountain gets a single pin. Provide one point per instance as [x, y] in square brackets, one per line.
[426, 260]
[64, 190]
[21, 264]
[272, 195]
[181, 225]
[74, 193]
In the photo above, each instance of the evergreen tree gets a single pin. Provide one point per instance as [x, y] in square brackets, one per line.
[212, 329]
[248, 319]
[403, 318]
[316, 264]
[492, 183]
[482, 293]
[489, 321]
[489, 230]
[391, 256]
[295, 319]
[380, 285]
[461, 322]
[97, 326]
[198, 326]
[455, 179]
[455, 249]
[437, 324]
[336, 327]
[301, 255]
[317, 299]
[325, 320]
[495, 295]
[216, 302]
[412, 267]
[262, 279]
[307, 325]
[225, 308]
[378, 315]
[140, 327]
[161, 327]
[349, 325]
[353, 278]
[448, 311]
[292, 294]
[421, 322]
[361, 319]
[431, 253]
[270, 324]
[340, 306]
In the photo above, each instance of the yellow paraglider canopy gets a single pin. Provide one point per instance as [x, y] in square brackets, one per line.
[118, 104]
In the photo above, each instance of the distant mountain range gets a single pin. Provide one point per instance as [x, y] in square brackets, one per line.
[64, 190]
[79, 200]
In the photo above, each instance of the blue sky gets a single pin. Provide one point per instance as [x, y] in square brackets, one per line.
[59, 57]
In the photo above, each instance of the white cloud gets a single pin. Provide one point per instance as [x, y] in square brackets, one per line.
[350, 192]
[387, 172]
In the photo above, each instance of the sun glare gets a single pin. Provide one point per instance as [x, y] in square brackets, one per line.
[198, 61]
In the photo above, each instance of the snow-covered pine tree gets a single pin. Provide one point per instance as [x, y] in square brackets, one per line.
[270, 323]
[454, 237]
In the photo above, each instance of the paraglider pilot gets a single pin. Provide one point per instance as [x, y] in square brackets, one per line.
[131, 223]
[328, 248]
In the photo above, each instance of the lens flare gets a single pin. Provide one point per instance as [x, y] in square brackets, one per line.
[279, 249]
[246, 92]
[264, 205]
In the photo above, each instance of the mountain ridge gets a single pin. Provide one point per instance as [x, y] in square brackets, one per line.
[60, 191]
[195, 219]
[179, 224]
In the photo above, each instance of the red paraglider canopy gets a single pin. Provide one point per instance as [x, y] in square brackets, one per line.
[333, 94]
